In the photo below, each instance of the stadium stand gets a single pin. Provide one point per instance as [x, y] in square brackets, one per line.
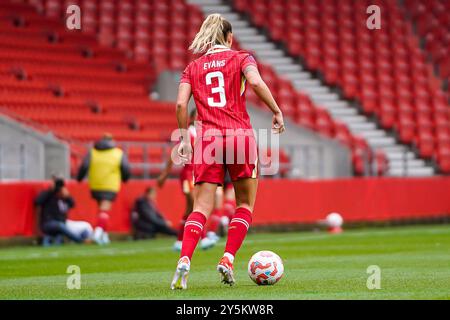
[159, 32]
[80, 84]
[384, 70]
[150, 31]
[305, 112]
[432, 22]
[69, 84]
[128, 43]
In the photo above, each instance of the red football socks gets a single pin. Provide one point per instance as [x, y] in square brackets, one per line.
[214, 220]
[229, 206]
[102, 220]
[237, 230]
[181, 230]
[193, 230]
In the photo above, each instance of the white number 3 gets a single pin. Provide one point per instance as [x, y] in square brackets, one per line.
[219, 89]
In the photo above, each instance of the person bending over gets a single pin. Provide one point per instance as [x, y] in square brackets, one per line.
[146, 218]
[52, 207]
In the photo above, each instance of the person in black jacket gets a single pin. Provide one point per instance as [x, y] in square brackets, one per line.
[105, 166]
[52, 207]
[147, 220]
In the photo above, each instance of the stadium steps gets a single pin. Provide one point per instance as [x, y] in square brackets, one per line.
[252, 39]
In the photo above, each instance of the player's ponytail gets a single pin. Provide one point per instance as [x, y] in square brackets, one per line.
[214, 30]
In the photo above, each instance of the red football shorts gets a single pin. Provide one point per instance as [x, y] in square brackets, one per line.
[214, 155]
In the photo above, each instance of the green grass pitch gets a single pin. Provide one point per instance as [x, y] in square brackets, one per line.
[414, 262]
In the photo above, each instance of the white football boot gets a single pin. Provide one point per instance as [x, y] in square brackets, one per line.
[225, 269]
[207, 243]
[97, 236]
[181, 274]
[105, 238]
[213, 236]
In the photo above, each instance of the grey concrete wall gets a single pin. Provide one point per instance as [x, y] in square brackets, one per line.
[312, 156]
[167, 87]
[26, 154]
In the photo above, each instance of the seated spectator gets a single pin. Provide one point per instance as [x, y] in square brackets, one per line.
[52, 207]
[147, 220]
[80, 228]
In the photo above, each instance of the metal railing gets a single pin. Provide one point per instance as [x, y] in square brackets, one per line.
[306, 161]
[146, 165]
[303, 161]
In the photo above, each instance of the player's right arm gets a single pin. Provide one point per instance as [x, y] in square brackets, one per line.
[184, 94]
[125, 170]
[263, 92]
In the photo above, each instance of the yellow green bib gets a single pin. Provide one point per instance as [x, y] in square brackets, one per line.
[104, 170]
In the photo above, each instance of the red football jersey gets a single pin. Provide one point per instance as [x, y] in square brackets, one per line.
[218, 87]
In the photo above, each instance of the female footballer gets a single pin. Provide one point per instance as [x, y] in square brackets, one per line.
[225, 139]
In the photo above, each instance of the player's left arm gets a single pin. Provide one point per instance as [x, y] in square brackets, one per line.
[261, 89]
[84, 168]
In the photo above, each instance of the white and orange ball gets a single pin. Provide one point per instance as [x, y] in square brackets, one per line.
[334, 220]
[265, 268]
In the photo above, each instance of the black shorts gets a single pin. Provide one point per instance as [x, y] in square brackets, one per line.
[103, 195]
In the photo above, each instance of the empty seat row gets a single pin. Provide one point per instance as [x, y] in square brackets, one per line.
[432, 21]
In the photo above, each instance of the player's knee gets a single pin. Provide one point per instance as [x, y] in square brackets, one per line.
[103, 215]
[105, 205]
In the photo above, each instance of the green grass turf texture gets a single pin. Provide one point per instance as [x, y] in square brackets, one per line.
[414, 262]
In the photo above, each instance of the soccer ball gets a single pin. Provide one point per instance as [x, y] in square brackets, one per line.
[334, 220]
[265, 268]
